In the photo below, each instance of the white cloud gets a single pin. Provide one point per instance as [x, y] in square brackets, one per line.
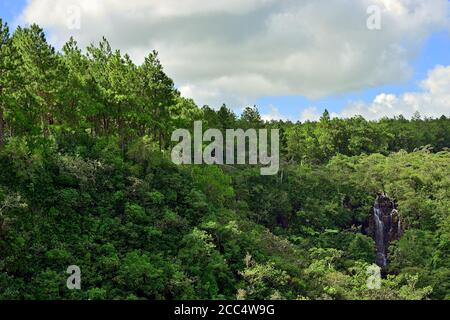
[310, 114]
[314, 114]
[274, 114]
[233, 51]
[432, 101]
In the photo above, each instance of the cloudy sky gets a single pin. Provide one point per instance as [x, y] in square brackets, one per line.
[292, 58]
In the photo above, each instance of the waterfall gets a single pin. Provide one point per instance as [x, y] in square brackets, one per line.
[386, 227]
[381, 259]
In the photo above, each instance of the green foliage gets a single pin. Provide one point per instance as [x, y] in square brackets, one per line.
[85, 180]
[263, 282]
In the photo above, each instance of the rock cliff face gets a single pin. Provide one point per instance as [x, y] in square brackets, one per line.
[385, 226]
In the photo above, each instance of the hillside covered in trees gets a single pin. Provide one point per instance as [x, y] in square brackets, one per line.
[86, 179]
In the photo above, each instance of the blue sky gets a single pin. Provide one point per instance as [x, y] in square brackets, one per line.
[10, 9]
[435, 50]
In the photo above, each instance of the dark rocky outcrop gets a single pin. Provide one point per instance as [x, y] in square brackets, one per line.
[385, 226]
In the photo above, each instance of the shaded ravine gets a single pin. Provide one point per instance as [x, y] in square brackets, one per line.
[385, 225]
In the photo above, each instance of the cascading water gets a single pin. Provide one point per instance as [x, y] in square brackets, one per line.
[386, 227]
[381, 258]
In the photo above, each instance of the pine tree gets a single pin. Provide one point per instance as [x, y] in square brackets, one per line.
[5, 60]
[41, 72]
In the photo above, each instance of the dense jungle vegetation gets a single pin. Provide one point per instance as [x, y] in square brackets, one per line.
[86, 179]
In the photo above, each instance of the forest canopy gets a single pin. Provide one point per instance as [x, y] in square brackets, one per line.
[86, 179]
